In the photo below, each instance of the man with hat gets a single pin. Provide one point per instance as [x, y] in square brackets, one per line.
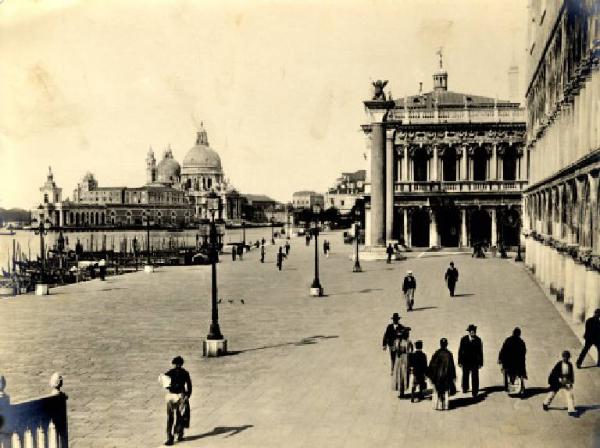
[470, 359]
[178, 407]
[591, 337]
[408, 288]
[392, 332]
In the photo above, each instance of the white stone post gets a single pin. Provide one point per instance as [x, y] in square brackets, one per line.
[434, 171]
[432, 229]
[389, 184]
[463, 228]
[494, 232]
[579, 293]
[569, 281]
[463, 164]
[592, 291]
[405, 229]
[494, 166]
[405, 164]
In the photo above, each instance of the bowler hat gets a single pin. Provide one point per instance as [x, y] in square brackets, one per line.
[395, 316]
[472, 327]
[178, 361]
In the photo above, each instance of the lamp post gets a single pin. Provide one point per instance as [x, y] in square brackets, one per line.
[215, 344]
[148, 268]
[272, 230]
[243, 231]
[316, 290]
[41, 288]
[357, 267]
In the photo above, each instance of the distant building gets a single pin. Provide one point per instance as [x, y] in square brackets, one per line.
[307, 199]
[174, 195]
[347, 189]
[258, 207]
[563, 137]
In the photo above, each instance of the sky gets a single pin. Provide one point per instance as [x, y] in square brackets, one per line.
[279, 85]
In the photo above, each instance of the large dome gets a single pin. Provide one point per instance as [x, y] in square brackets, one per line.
[201, 158]
[168, 170]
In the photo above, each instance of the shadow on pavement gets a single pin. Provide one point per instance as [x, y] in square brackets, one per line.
[533, 391]
[305, 341]
[218, 430]
[424, 308]
[466, 401]
[464, 295]
[580, 410]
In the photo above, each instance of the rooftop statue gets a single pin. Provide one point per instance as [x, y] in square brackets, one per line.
[379, 94]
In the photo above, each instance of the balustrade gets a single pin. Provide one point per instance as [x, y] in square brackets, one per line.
[459, 186]
[483, 115]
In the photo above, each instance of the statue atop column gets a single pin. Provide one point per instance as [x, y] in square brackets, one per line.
[379, 94]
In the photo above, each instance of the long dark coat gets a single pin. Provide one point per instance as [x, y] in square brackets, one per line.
[470, 352]
[441, 370]
[592, 330]
[512, 356]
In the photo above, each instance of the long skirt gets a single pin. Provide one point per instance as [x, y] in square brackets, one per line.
[400, 378]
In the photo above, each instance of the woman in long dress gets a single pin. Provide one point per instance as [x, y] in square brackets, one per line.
[403, 346]
[442, 373]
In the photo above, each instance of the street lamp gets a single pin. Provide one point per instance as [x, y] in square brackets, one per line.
[243, 230]
[272, 231]
[357, 267]
[148, 268]
[215, 344]
[42, 289]
[316, 290]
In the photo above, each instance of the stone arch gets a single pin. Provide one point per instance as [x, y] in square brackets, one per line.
[480, 226]
[509, 163]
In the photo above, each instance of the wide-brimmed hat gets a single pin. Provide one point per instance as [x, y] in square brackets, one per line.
[472, 327]
[409, 272]
[395, 316]
[178, 361]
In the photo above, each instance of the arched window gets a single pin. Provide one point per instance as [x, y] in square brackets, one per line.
[449, 164]
[480, 164]
[509, 164]
[420, 165]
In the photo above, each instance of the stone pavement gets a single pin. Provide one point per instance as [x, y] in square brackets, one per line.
[303, 372]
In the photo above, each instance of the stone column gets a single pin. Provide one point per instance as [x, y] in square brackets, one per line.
[433, 234]
[560, 280]
[463, 228]
[406, 227]
[434, 161]
[579, 292]
[367, 227]
[494, 241]
[559, 222]
[463, 164]
[569, 281]
[592, 291]
[377, 184]
[405, 176]
[554, 267]
[389, 184]
[494, 166]
[528, 253]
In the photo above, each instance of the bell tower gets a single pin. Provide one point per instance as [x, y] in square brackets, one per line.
[440, 77]
[150, 167]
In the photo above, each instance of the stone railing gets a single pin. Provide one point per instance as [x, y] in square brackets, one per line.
[460, 186]
[37, 423]
[483, 115]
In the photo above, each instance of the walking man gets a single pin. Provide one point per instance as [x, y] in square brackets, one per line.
[233, 252]
[442, 373]
[417, 363]
[389, 251]
[470, 359]
[279, 258]
[512, 359]
[287, 248]
[562, 377]
[390, 335]
[591, 337]
[178, 407]
[408, 288]
[451, 278]
[262, 253]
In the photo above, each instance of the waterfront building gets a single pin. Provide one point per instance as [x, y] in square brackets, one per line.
[347, 189]
[563, 138]
[444, 168]
[307, 199]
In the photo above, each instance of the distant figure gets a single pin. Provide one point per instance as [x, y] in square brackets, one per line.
[591, 337]
[102, 269]
[233, 252]
[307, 238]
[262, 253]
[451, 277]
[178, 407]
[417, 364]
[287, 248]
[240, 251]
[408, 288]
[326, 248]
[389, 251]
[470, 358]
[403, 347]
[442, 373]
[562, 377]
[263, 241]
[279, 258]
[512, 359]
[389, 338]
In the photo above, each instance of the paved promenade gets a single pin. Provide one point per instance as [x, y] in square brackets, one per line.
[303, 372]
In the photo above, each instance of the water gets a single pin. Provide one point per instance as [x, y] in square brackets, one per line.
[29, 242]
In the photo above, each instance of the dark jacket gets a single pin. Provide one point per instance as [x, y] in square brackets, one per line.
[470, 352]
[512, 356]
[409, 282]
[592, 330]
[391, 334]
[556, 375]
[441, 370]
[389, 250]
[451, 275]
[418, 362]
[181, 382]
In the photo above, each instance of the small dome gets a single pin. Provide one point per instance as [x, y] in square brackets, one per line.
[168, 170]
[201, 158]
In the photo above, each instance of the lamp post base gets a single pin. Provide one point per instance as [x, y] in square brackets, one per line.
[148, 269]
[42, 289]
[357, 267]
[316, 292]
[212, 348]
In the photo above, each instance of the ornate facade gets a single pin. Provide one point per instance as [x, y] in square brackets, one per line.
[445, 168]
[563, 99]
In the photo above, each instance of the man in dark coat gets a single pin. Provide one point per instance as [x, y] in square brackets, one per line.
[280, 258]
[451, 277]
[178, 407]
[512, 359]
[390, 335]
[287, 248]
[389, 251]
[417, 363]
[409, 285]
[562, 377]
[262, 253]
[591, 337]
[442, 373]
[470, 359]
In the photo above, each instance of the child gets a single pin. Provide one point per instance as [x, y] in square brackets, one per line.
[562, 377]
[418, 369]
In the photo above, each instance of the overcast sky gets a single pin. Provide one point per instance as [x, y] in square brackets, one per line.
[91, 85]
